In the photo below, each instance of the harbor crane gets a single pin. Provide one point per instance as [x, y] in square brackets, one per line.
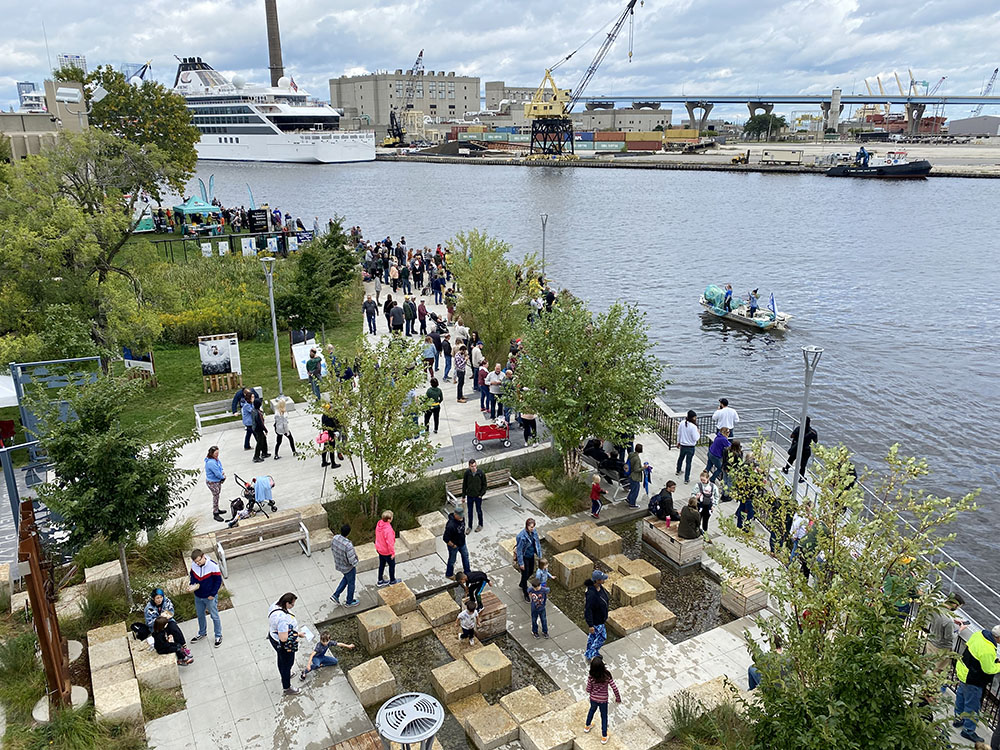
[550, 108]
[396, 135]
[987, 90]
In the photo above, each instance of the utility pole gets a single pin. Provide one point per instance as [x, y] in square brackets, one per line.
[545, 220]
[810, 355]
[268, 264]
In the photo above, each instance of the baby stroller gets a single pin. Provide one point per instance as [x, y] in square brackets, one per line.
[442, 327]
[248, 504]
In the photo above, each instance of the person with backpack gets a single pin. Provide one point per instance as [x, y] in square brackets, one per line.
[704, 491]
[283, 635]
[661, 504]
[598, 682]
[160, 606]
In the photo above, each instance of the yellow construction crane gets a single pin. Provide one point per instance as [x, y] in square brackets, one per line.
[550, 108]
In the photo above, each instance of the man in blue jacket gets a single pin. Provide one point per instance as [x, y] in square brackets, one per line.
[240, 400]
[206, 580]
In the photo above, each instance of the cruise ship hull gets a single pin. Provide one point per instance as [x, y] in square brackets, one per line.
[336, 148]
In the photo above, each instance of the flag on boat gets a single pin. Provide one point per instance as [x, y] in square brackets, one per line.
[771, 306]
[292, 83]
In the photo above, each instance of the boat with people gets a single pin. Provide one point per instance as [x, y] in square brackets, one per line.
[246, 122]
[720, 302]
[894, 165]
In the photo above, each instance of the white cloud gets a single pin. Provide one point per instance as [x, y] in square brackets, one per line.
[711, 47]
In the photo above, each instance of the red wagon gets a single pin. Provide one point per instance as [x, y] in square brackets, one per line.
[491, 431]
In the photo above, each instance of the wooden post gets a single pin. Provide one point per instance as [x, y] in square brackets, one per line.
[41, 595]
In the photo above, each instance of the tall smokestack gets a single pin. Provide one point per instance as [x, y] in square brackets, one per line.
[273, 41]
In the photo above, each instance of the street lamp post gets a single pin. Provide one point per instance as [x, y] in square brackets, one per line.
[811, 355]
[268, 264]
[545, 219]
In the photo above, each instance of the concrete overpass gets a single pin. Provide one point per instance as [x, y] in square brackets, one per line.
[914, 106]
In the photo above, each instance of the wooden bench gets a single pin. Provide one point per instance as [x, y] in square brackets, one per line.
[494, 479]
[275, 532]
[619, 483]
[681, 552]
[215, 412]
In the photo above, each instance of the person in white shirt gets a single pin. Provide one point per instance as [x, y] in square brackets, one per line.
[726, 416]
[467, 619]
[800, 527]
[688, 435]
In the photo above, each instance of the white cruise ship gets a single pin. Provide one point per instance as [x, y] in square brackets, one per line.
[240, 122]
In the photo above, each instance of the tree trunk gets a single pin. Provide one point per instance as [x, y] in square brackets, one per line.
[323, 328]
[125, 578]
[571, 462]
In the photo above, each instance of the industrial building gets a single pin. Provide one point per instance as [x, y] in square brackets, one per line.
[498, 91]
[29, 133]
[368, 99]
[981, 125]
[66, 60]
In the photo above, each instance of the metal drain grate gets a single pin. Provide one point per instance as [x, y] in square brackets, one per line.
[409, 717]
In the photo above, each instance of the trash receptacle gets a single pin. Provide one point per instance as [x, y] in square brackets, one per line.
[410, 719]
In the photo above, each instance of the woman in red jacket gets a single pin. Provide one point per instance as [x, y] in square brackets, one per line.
[385, 545]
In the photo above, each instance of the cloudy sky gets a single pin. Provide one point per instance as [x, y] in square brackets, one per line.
[680, 46]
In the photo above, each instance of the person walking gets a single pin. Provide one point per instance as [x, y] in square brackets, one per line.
[246, 414]
[454, 537]
[596, 494]
[396, 319]
[314, 369]
[716, 451]
[529, 423]
[473, 490]
[975, 670]
[259, 434]
[494, 381]
[409, 315]
[704, 491]
[427, 354]
[385, 546]
[434, 397]
[214, 477]
[528, 548]
[595, 612]
[378, 288]
[386, 309]
[598, 682]
[793, 449]
[345, 560]
[688, 436]
[281, 428]
[422, 316]
[460, 363]
[635, 472]
[726, 416]
[328, 446]
[283, 635]
[205, 580]
[370, 308]
[538, 595]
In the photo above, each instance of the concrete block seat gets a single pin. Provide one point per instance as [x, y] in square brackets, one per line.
[568, 537]
[626, 620]
[571, 568]
[630, 590]
[433, 522]
[491, 727]
[525, 704]
[441, 609]
[641, 569]
[373, 681]
[681, 552]
[600, 541]
[379, 629]
[153, 669]
[108, 653]
[419, 541]
[413, 625]
[118, 701]
[659, 616]
[398, 598]
[454, 681]
[493, 669]
[463, 708]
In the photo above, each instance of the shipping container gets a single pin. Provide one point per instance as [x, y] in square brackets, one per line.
[496, 136]
[586, 136]
[644, 135]
[780, 156]
[468, 136]
[583, 145]
[609, 145]
[609, 135]
[679, 134]
[643, 145]
[519, 138]
[477, 128]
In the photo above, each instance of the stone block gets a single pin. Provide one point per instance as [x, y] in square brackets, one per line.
[105, 575]
[455, 646]
[600, 541]
[743, 596]
[631, 590]
[559, 699]
[433, 522]
[492, 617]
[108, 653]
[398, 597]
[367, 557]
[491, 666]
[681, 552]
[659, 616]
[70, 599]
[634, 734]
[708, 695]
[592, 741]
[547, 732]
[153, 669]
[118, 701]
[19, 602]
[313, 516]
[454, 681]
[713, 693]
[568, 537]
[612, 562]
[491, 727]
[413, 625]
[525, 704]
[372, 681]
[116, 673]
[5, 582]
[642, 569]
[379, 629]
[626, 620]
[464, 708]
[420, 541]
[107, 633]
[507, 547]
[440, 609]
[571, 568]
[402, 551]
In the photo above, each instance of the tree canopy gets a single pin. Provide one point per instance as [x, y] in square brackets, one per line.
[587, 374]
[763, 124]
[851, 606]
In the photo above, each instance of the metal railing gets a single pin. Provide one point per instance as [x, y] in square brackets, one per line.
[982, 601]
[177, 248]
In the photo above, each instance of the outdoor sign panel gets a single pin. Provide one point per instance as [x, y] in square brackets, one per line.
[300, 352]
[137, 361]
[223, 246]
[247, 245]
[220, 355]
[257, 220]
[206, 249]
[272, 245]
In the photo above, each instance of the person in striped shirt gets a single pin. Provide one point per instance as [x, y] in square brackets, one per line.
[598, 682]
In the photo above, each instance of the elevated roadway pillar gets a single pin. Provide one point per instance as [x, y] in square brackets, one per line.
[758, 105]
[914, 112]
[701, 122]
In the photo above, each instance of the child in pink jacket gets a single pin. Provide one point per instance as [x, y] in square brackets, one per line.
[385, 545]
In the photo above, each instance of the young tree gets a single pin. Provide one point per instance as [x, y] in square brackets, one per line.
[493, 290]
[380, 419]
[111, 480]
[851, 605]
[764, 124]
[586, 374]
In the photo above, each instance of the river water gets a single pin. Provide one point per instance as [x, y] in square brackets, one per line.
[894, 280]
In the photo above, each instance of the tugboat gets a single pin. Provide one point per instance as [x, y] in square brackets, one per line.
[894, 165]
